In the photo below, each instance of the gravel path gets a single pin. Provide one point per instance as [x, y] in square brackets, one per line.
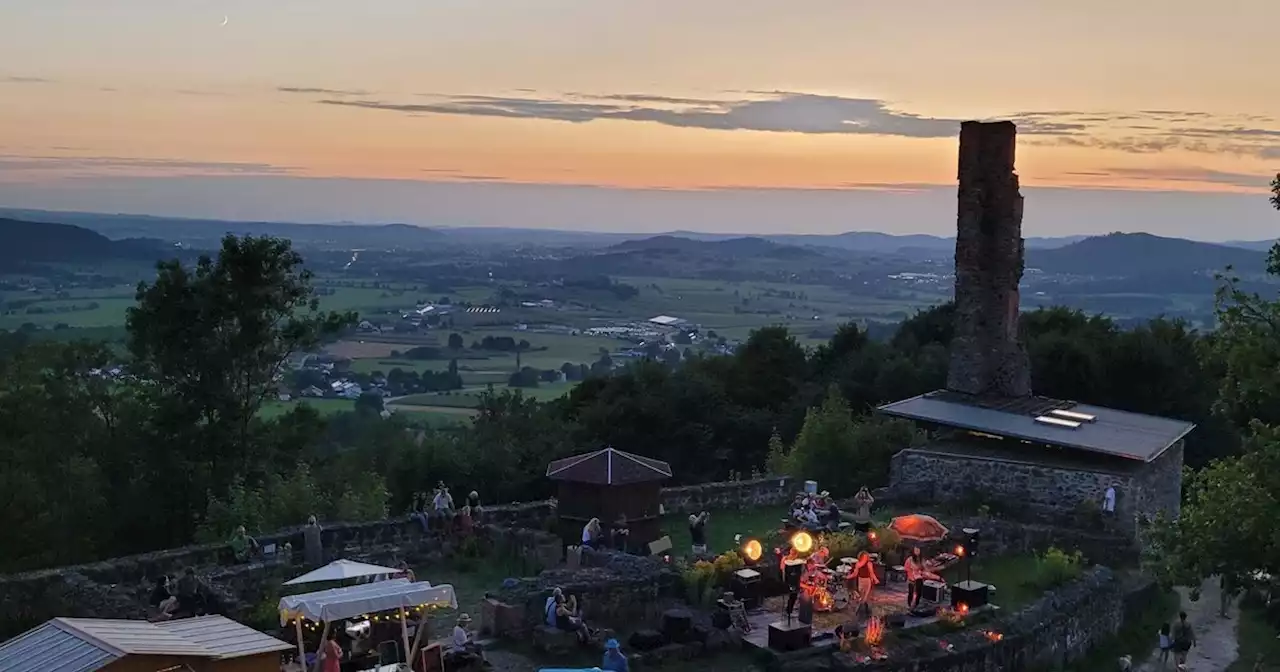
[1216, 645]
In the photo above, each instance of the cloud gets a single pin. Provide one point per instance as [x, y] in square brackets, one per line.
[111, 165]
[24, 80]
[325, 92]
[1188, 175]
[1133, 132]
[780, 113]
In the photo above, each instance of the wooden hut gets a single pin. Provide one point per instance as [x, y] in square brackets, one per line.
[202, 644]
[608, 484]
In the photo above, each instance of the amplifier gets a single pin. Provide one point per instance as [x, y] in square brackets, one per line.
[972, 594]
[746, 585]
[932, 591]
[791, 636]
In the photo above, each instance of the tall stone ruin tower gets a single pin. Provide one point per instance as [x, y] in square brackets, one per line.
[987, 354]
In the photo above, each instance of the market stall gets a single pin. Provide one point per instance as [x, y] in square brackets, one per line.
[401, 596]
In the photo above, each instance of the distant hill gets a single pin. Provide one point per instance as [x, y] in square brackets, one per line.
[52, 243]
[206, 233]
[1129, 254]
[731, 247]
[1260, 245]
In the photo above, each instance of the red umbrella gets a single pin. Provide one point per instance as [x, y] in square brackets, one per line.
[918, 527]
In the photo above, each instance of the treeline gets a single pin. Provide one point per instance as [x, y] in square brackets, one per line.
[96, 467]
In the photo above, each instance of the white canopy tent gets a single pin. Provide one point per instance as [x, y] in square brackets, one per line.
[340, 570]
[338, 604]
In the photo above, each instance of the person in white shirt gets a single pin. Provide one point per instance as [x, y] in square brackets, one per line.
[591, 533]
[1109, 501]
[461, 639]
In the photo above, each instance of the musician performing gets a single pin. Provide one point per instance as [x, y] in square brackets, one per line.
[917, 570]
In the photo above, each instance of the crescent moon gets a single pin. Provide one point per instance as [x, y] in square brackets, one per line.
[224, 21]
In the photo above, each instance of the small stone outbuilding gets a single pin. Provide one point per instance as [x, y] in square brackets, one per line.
[1040, 456]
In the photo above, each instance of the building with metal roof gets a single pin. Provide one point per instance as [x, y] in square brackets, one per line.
[610, 484]
[1047, 422]
[203, 644]
[1041, 456]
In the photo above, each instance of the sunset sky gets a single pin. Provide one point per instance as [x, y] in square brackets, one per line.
[740, 115]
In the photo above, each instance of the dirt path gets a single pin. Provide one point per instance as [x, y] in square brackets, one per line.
[1216, 645]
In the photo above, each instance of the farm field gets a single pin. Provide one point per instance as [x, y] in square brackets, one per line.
[470, 398]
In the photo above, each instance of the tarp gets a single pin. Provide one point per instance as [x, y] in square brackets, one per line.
[339, 570]
[341, 603]
[918, 527]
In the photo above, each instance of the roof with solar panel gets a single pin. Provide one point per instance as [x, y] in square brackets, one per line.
[1054, 422]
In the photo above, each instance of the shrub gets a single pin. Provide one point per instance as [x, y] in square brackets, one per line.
[700, 584]
[1057, 567]
[725, 565]
[845, 544]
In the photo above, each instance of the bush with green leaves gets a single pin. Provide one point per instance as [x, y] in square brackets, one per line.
[1057, 567]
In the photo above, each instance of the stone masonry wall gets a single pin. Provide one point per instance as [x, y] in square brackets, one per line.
[769, 491]
[987, 356]
[1160, 485]
[1057, 629]
[1031, 488]
[118, 587]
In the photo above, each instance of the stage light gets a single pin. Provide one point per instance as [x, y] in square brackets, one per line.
[871, 535]
[752, 551]
[959, 551]
[962, 608]
[802, 542]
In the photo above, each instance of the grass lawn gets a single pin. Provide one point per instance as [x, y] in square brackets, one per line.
[1255, 636]
[110, 312]
[468, 586]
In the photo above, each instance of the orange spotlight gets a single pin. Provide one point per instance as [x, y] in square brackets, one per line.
[871, 535]
[802, 542]
[752, 550]
[959, 551]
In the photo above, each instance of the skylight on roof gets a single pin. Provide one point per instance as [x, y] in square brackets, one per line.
[1057, 422]
[1072, 415]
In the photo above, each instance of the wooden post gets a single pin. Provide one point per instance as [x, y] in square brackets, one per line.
[417, 637]
[324, 640]
[302, 647]
[404, 634]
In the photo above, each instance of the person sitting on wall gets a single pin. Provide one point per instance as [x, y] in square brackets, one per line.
[442, 506]
[592, 534]
[569, 619]
[463, 521]
[463, 651]
[242, 545]
[473, 501]
[418, 511]
[832, 516]
[190, 599]
[620, 534]
[162, 597]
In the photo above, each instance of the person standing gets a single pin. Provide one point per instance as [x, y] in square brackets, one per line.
[331, 654]
[1109, 501]
[1184, 638]
[312, 551]
[614, 659]
[1166, 645]
[865, 576]
[915, 571]
[698, 532]
[862, 516]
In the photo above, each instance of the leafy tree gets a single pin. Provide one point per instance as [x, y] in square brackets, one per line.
[369, 402]
[1227, 526]
[776, 458]
[861, 450]
[211, 343]
[456, 342]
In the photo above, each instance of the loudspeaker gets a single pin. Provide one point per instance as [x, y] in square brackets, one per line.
[972, 594]
[746, 586]
[789, 636]
[932, 591]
